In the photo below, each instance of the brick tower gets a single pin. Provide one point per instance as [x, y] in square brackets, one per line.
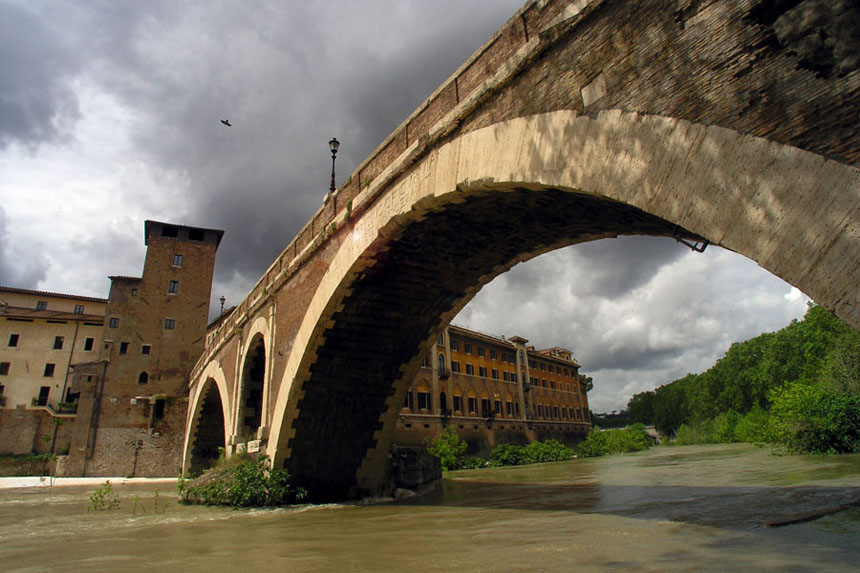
[133, 401]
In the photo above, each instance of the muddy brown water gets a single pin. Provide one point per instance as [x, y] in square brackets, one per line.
[689, 508]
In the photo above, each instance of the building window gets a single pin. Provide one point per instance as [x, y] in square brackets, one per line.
[4, 368]
[482, 371]
[505, 376]
[13, 340]
[542, 366]
[44, 392]
[113, 323]
[485, 407]
[441, 361]
[407, 401]
[173, 287]
[88, 344]
[145, 349]
[495, 374]
[143, 378]
[169, 323]
[441, 340]
[41, 305]
[458, 403]
[455, 366]
[49, 370]
[497, 404]
[424, 399]
[123, 347]
[455, 345]
[473, 404]
[470, 370]
[177, 260]
[58, 343]
[134, 292]
[493, 355]
[481, 351]
[467, 348]
[79, 309]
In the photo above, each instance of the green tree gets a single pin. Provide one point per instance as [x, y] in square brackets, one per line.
[449, 448]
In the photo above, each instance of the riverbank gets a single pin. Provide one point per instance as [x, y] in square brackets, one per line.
[48, 481]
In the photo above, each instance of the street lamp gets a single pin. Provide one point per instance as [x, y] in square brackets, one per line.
[333, 145]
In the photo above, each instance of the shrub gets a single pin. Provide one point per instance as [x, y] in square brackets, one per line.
[600, 443]
[753, 427]
[104, 498]
[546, 451]
[473, 463]
[243, 482]
[449, 448]
[809, 418]
[506, 455]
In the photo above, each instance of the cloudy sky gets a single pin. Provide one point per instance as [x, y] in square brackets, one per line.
[109, 115]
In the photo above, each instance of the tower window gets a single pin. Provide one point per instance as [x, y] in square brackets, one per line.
[195, 234]
[41, 305]
[145, 349]
[143, 378]
[58, 343]
[123, 347]
[88, 344]
[13, 340]
[169, 231]
[173, 287]
[177, 260]
[49, 370]
[169, 323]
[79, 309]
[114, 323]
[4, 368]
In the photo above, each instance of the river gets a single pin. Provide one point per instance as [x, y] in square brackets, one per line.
[682, 508]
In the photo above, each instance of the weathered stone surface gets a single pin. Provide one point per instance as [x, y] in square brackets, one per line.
[581, 120]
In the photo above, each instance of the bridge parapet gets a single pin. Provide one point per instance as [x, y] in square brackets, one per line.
[510, 49]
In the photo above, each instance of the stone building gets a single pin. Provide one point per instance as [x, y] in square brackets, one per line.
[118, 402]
[494, 390]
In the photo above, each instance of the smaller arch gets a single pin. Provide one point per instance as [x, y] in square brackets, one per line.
[208, 434]
[143, 378]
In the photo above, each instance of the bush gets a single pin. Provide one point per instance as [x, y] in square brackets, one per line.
[449, 448]
[546, 451]
[242, 482]
[809, 418]
[506, 455]
[600, 443]
[753, 427]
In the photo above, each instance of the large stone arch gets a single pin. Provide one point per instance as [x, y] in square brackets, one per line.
[472, 208]
[209, 407]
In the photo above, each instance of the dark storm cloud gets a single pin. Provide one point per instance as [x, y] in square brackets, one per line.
[288, 76]
[36, 65]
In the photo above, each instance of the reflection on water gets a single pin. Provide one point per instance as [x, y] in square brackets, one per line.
[693, 508]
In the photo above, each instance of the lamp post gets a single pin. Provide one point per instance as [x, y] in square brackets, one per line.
[333, 145]
[223, 299]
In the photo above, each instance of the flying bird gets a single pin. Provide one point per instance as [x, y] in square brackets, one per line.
[226, 122]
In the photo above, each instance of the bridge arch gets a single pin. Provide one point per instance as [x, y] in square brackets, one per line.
[208, 414]
[511, 191]
[253, 378]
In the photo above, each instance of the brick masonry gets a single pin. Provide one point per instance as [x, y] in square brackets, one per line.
[576, 121]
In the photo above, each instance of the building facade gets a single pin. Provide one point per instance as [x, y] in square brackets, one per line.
[117, 400]
[492, 390]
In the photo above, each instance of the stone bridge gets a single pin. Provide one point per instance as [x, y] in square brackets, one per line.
[728, 121]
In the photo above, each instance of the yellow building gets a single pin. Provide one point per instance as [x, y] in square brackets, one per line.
[493, 390]
[42, 334]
